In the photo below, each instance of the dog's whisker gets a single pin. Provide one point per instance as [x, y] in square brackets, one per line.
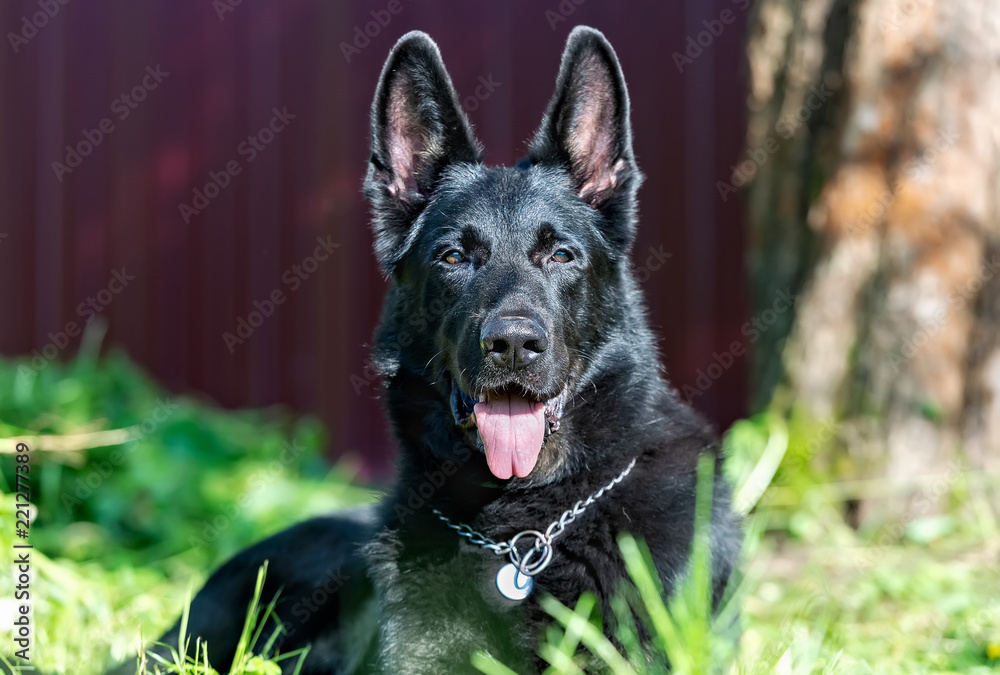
[426, 365]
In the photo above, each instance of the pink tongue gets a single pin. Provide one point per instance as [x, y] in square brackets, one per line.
[512, 429]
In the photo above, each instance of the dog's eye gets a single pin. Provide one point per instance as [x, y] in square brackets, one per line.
[562, 256]
[454, 257]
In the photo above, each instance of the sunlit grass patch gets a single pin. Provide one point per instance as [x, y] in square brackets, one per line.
[115, 567]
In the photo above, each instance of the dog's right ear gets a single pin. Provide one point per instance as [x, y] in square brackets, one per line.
[418, 128]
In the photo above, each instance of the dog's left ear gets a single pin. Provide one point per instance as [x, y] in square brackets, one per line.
[586, 129]
[418, 129]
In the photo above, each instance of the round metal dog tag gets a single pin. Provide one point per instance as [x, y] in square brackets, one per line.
[512, 584]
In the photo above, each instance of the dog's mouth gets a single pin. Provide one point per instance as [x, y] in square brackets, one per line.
[512, 424]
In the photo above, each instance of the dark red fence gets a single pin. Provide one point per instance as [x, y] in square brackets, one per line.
[214, 165]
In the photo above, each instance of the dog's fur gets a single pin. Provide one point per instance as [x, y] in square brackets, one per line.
[392, 589]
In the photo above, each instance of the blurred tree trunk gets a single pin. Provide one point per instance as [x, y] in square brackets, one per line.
[878, 203]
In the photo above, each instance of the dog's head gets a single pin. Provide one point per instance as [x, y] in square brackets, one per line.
[511, 276]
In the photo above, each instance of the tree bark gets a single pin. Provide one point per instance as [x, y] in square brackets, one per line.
[880, 208]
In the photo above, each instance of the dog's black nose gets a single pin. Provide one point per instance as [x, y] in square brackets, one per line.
[514, 341]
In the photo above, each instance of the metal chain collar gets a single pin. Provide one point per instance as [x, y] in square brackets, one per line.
[539, 555]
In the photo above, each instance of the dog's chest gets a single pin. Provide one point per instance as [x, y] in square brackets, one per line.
[437, 609]
[440, 599]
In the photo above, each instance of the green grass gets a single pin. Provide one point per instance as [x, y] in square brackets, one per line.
[123, 533]
[194, 660]
[137, 495]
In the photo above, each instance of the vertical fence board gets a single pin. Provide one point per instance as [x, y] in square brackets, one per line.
[195, 280]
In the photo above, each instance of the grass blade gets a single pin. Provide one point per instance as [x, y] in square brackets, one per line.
[592, 638]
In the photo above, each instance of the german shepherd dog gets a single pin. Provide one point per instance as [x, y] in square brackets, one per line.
[524, 388]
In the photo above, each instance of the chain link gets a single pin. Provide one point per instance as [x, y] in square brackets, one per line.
[473, 536]
[536, 558]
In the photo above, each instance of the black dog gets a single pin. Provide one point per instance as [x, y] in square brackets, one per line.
[521, 378]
